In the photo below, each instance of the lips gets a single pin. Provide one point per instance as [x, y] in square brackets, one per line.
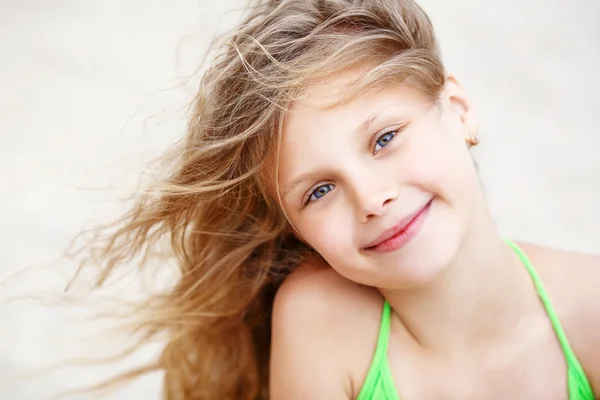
[399, 227]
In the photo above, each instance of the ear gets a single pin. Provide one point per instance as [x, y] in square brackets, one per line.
[457, 102]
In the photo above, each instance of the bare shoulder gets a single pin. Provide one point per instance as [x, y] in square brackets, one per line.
[572, 280]
[324, 330]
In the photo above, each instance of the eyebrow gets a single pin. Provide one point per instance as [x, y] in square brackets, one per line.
[295, 183]
[366, 124]
[362, 128]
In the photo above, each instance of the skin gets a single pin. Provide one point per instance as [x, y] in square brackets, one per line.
[466, 321]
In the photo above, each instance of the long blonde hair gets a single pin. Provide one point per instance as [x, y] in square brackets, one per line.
[212, 206]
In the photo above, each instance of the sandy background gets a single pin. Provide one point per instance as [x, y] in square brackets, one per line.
[89, 90]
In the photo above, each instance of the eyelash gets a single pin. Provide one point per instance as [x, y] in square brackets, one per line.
[312, 193]
[393, 131]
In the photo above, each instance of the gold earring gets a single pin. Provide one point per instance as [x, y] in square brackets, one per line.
[474, 138]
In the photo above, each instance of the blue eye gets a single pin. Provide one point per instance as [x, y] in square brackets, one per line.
[384, 140]
[320, 192]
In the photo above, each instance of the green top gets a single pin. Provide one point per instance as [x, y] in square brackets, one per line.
[379, 384]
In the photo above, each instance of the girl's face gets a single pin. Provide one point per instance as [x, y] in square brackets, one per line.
[383, 187]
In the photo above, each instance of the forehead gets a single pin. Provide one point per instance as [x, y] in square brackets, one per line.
[312, 113]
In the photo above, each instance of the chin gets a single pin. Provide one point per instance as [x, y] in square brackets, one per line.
[418, 270]
[425, 259]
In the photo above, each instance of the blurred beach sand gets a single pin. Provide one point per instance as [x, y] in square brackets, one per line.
[91, 90]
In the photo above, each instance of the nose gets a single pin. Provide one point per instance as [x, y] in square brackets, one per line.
[374, 196]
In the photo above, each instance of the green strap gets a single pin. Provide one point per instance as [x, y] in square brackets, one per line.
[373, 381]
[384, 332]
[545, 299]
[579, 386]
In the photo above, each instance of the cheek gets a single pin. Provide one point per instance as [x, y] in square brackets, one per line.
[440, 162]
[329, 232]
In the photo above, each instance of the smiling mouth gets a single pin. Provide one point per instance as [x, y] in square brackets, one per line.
[402, 232]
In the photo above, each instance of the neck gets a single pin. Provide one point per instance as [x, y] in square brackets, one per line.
[482, 298]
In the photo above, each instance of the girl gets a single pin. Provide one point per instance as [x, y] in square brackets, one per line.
[326, 181]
